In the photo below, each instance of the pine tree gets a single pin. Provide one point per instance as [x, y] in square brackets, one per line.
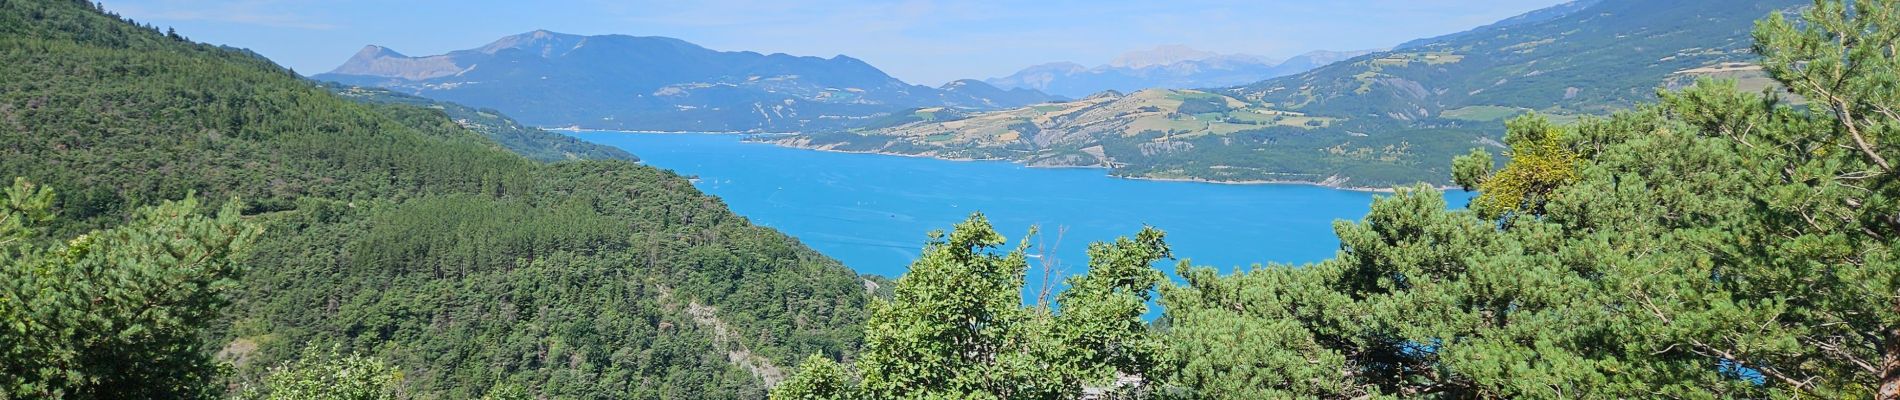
[329, 375]
[119, 313]
[818, 378]
[1717, 244]
[957, 327]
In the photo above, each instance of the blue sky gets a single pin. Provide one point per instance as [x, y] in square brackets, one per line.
[920, 41]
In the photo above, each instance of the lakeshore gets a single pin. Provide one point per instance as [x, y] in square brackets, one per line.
[872, 211]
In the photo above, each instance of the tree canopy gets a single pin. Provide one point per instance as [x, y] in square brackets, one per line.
[118, 313]
[1717, 244]
[389, 231]
[956, 326]
[1714, 244]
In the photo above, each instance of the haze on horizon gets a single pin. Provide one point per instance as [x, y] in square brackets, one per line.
[920, 41]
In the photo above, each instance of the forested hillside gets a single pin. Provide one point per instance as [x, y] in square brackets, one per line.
[531, 142]
[387, 231]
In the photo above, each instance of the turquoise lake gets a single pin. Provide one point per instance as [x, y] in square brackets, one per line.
[873, 212]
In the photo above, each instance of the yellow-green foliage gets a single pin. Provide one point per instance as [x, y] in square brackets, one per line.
[1540, 163]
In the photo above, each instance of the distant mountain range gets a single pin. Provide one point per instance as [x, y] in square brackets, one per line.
[1379, 119]
[1166, 67]
[658, 83]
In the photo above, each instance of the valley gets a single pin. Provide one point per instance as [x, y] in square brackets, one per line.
[1582, 199]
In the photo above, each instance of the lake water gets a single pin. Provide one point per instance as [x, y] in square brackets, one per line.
[872, 212]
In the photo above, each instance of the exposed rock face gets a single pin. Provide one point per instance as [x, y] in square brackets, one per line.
[1155, 148]
[376, 60]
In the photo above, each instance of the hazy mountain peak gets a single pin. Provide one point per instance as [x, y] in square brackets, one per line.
[543, 42]
[1160, 55]
[375, 60]
[1168, 66]
[963, 83]
[374, 51]
[849, 60]
[1059, 66]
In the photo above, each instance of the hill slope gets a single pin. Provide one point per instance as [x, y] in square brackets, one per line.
[1571, 60]
[655, 83]
[1385, 118]
[394, 232]
[528, 141]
